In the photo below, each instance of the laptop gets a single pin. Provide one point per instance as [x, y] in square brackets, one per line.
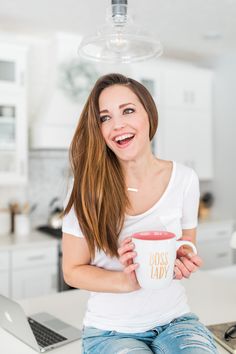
[42, 331]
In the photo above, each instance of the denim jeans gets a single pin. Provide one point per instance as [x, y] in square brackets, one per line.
[185, 335]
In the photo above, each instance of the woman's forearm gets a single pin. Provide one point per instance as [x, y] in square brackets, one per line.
[96, 279]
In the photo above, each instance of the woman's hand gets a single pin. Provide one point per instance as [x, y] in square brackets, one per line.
[126, 255]
[186, 263]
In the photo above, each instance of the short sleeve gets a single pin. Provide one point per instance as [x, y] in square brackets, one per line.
[70, 223]
[191, 203]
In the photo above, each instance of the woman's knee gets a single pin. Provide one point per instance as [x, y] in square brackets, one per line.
[186, 336]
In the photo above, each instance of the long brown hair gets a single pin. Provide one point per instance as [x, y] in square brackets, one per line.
[99, 195]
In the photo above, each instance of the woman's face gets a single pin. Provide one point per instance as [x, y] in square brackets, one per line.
[124, 122]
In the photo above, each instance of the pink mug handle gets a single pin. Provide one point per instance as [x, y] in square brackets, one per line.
[188, 243]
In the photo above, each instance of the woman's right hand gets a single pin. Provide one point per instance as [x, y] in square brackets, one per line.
[126, 257]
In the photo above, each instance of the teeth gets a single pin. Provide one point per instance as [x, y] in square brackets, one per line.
[122, 137]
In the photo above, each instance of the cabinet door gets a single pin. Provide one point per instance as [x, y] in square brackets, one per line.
[34, 282]
[13, 139]
[4, 283]
[4, 273]
[215, 254]
[187, 87]
[12, 67]
[187, 139]
[213, 243]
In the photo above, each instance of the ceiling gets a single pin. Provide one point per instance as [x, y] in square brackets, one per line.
[181, 25]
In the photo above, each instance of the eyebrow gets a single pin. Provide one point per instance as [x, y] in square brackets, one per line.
[121, 106]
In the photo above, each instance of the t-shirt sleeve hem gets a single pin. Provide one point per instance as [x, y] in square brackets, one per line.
[189, 226]
[72, 232]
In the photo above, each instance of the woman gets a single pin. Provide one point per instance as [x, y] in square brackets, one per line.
[121, 188]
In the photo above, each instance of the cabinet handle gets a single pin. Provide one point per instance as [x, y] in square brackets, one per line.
[186, 97]
[36, 258]
[22, 78]
[222, 254]
[54, 282]
[22, 168]
[222, 232]
[192, 97]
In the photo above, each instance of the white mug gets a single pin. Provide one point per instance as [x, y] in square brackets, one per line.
[156, 255]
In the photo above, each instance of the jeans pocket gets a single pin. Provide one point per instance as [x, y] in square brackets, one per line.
[186, 317]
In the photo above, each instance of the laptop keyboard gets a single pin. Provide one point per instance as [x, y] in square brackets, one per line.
[44, 335]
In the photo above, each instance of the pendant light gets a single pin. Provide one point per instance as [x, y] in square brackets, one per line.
[119, 41]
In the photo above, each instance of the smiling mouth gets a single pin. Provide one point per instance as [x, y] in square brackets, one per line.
[123, 140]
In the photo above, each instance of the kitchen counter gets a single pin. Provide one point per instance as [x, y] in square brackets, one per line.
[211, 297]
[8, 242]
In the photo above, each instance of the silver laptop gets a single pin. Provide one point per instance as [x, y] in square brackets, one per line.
[41, 331]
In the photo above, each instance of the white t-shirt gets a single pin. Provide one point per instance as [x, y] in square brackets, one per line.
[144, 309]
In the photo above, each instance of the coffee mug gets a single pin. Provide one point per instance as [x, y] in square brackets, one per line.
[156, 255]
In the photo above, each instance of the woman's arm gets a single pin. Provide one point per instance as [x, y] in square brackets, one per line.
[187, 262]
[78, 273]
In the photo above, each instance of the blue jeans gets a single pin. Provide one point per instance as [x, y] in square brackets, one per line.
[185, 335]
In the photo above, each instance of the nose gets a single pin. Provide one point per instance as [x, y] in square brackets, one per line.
[119, 122]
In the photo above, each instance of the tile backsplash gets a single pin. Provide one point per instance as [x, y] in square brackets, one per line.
[48, 178]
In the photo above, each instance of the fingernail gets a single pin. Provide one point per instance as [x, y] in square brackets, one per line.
[190, 254]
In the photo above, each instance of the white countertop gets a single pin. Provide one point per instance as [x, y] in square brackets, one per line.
[11, 241]
[211, 297]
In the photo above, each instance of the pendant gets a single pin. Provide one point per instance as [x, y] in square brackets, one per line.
[132, 189]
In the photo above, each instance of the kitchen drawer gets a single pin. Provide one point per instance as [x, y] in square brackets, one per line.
[213, 232]
[31, 257]
[215, 254]
[4, 260]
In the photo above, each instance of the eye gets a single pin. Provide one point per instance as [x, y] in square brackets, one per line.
[128, 110]
[104, 118]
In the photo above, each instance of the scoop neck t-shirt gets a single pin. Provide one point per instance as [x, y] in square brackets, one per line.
[141, 310]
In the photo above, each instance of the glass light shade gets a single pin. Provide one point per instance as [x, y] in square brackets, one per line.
[120, 41]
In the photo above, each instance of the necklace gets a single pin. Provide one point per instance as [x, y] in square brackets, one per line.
[132, 189]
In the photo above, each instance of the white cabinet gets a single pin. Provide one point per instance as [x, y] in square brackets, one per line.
[34, 271]
[187, 118]
[4, 273]
[13, 115]
[34, 282]
[29, 269]
[183, 96]
[187, 139]
[12, 66]
[213, 244]
[187, 87]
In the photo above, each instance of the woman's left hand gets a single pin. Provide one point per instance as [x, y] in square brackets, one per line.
[186, 263]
